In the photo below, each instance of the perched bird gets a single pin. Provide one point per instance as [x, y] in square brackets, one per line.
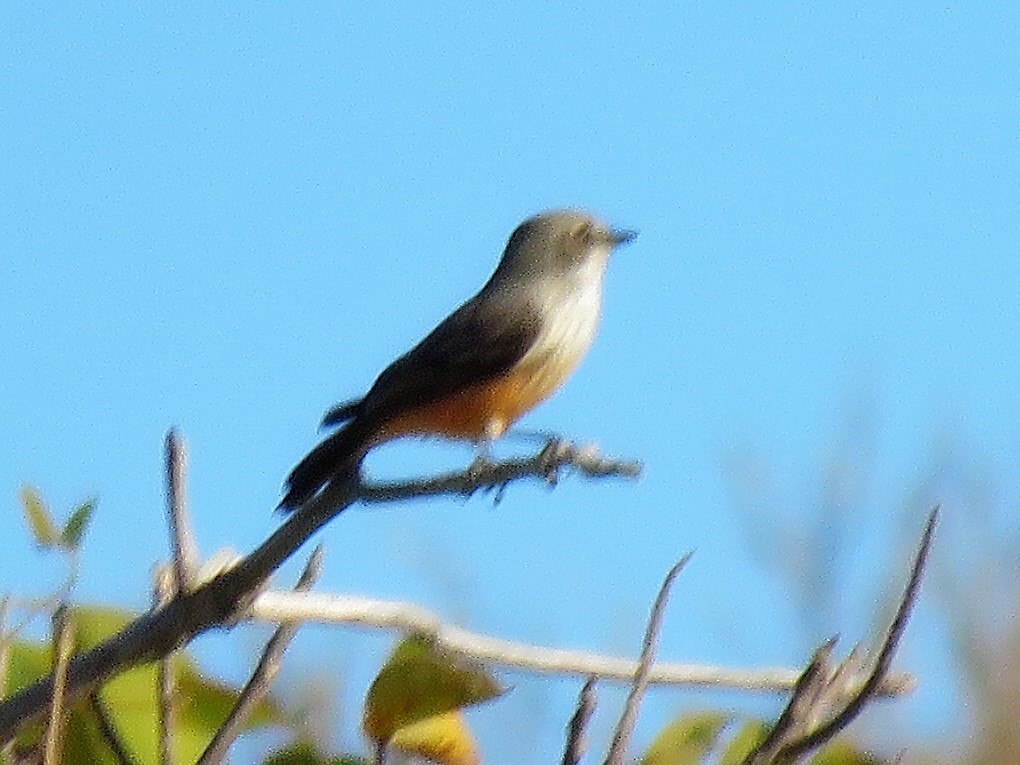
[498, 355]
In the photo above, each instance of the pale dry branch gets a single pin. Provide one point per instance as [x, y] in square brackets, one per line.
[353, 610]
[628, 719]
[63, 644]
[827, 699]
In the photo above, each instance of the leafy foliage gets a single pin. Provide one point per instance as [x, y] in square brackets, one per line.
[124, 712]
[44, 528]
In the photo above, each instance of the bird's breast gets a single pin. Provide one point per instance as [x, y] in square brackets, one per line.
[568, 308]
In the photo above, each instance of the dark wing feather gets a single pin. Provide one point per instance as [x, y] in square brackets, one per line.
[482, 339]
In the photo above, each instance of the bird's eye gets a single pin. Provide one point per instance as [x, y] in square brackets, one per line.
[580, 231]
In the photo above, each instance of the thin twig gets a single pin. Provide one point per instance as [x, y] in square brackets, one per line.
[63, 645]
[183, 546]
[625, 727]
[574, 749]
[805, 695]
[107, 730]
[555, 457]
[808, 722]
[258, 685]
[164, 591]
[885, 655]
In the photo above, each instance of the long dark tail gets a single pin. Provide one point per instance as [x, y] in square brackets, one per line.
[336, 458]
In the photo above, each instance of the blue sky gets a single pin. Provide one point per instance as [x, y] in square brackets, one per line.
[227, 219]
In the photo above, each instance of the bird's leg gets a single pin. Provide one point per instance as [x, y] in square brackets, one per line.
[483, 456]
[483, 447]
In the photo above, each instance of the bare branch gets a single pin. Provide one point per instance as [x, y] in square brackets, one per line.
[258, 685]
[163, 593]
[625, 727]
[216, 602]
[809, 720]
[184, 549]
[574, 750]
[885, 654]
[555, 457]
[800, 708]
[325, 608]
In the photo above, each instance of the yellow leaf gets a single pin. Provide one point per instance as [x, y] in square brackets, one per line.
[39, 518]
[444, 739]
[421, 680]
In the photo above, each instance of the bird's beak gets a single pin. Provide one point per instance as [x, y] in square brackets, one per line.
[620, 236]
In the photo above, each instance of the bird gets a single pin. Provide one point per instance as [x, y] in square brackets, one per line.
[493, 359]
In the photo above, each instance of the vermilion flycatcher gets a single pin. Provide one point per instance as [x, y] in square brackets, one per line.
[490, 361]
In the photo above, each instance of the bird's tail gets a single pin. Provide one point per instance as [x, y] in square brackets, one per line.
[341, 413]
[335, 459]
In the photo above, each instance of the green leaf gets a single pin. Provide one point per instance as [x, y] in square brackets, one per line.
[743, 741]
[304, 753]
[421, 680]
[129, 700]
[74, 529]
[209, 702]
[39, 520]
[841, 752]
[687, 740]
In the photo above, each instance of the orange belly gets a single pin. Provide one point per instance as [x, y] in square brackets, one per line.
[483, 411]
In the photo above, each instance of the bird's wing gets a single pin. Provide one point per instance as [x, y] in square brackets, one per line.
[481, 340]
